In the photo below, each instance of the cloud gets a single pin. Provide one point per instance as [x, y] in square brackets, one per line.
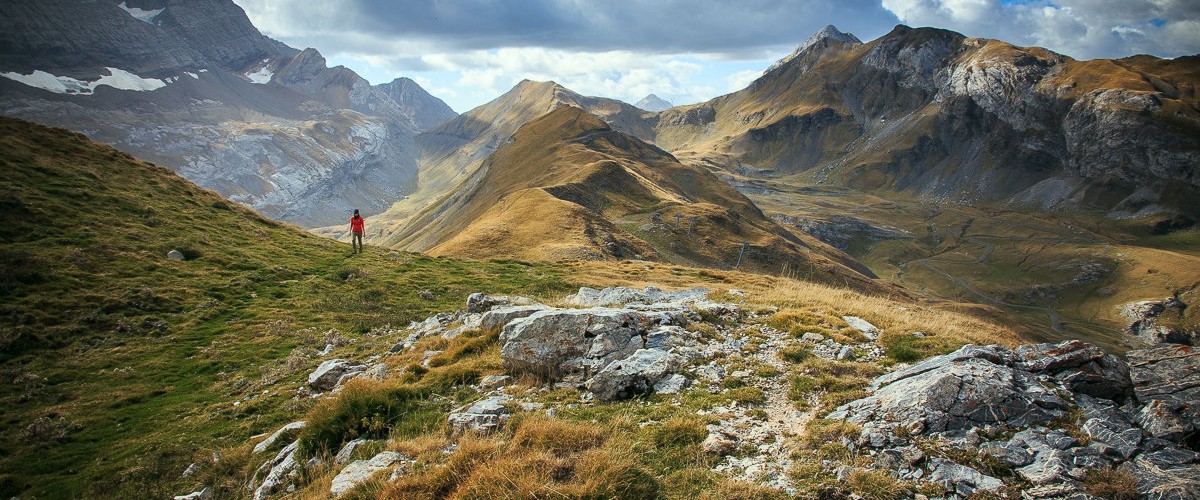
[1084, 29]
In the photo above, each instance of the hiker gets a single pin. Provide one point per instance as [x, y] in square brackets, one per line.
[356, 230]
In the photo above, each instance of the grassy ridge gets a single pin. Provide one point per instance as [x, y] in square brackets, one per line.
[118, 365]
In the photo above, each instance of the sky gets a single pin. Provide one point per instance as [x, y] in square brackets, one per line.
[468, 52]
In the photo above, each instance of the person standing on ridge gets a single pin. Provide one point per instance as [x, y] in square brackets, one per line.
[356, 231]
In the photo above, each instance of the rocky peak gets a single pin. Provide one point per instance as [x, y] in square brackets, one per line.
[427, 111]
[821, 39]
[305, 67]
[654, 103]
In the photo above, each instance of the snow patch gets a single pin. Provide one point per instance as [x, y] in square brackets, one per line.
[116, 78]
[262, 76]
[193, 75]
[145, 16]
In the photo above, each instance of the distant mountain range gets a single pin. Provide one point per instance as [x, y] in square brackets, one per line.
[653, 103]
[194, 86]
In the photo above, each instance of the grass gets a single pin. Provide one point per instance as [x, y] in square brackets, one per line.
[137, 357]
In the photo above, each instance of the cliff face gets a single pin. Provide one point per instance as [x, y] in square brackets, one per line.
[195, 87]
[934, 113]
[427, 111]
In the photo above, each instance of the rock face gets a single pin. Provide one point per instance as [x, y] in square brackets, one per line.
[427, 111]
[288, 431]
[194, 86]
[1143, 322]
[1140, 418]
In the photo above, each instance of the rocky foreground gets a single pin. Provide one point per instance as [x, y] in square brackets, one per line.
[1035, 421]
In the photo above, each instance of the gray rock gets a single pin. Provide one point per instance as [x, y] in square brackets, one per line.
[347, 452]
[1122, 438]
[867, 329]
[719, 443]
[281, 467]
[498, 317]
[1011, 454]
[960, 478]
[636, 374]
[1080, 366]
[845, 352]
[360, 471]
[288, 431]
[1164, 420]
[203, 494]
[494, 381]
[483, 416]
[545, 341]
[175, 255]
[327, 374]
[1169, 373]
[590, 297]
[1142, 317]
[1181, 482]
[960, 390]
[1170, 457]
[672, 384]
[1048, 467]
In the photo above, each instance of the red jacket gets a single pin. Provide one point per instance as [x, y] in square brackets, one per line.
[356, 224]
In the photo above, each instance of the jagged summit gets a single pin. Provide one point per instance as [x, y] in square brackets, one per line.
[654, 103]
[824, 36]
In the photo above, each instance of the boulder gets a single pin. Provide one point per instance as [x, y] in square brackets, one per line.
[634, 375]
[327, 374]
[962, 390]
[572, 344]
[1142, 317]
[175, 255]
[288, 431]
[868, 330]
[1180, 481]
[1166, 380]
[1078, 366]
[483, 416]
[360, 471]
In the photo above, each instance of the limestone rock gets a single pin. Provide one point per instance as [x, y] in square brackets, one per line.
[327, 374]
[572, 343]
[481, 303]
[719, 443]
[1142, 317]
[961, 479]
[867, 329]
[672, 384]
[634, 375]
[961, 390]
[500, 316]
[360, 471]
[203, 494]
[483, 416]
[288, 431]
[280, 468]
[344, 455]
[175, 255]
[590, 297]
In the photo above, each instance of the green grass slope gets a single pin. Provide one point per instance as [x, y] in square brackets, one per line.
[119, 367]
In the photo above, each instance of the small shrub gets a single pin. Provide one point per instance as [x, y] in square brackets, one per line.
[794, 354]
[875, 485]
[1115, 484]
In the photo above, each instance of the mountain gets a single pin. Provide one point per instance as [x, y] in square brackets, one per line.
[653, 103]
[929, 112]
[568, 186]
[451, 152]
[427, 111]
[195, 87]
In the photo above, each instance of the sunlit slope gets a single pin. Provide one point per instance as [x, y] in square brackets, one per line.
[570, 187]
[453, 151]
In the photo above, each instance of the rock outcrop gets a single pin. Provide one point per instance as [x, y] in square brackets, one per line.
[1138, 417]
